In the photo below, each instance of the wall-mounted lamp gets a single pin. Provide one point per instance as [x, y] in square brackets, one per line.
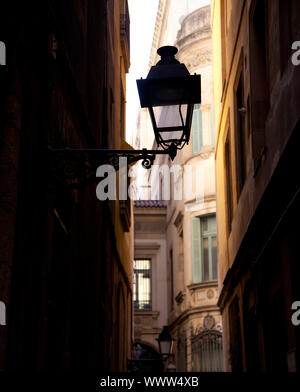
[165, 342]
[169, 92]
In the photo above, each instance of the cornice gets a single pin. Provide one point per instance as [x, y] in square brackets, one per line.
[198, 310]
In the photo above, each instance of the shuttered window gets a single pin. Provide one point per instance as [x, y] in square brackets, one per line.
[196, 250]
[197, 129]
[204, 249]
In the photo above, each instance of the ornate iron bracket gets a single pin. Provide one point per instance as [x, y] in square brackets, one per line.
[77, 167]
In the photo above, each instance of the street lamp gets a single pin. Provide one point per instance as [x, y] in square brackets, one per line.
[170, 92]
[165, 342]
[171, 368]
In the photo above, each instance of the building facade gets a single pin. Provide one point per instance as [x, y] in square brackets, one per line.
[256, 104]
[65, 256]
[150, 297]
[194, 319]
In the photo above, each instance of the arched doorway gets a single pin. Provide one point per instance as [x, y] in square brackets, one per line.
[145, 360]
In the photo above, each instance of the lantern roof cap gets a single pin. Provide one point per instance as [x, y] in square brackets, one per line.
[165, 335]
[168, 66]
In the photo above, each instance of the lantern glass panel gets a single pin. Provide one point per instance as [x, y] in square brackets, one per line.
[169, 116]
[171, 136]
[165, 347]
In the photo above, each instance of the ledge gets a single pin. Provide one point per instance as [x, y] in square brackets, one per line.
[202, 285]
[147, 313]
[145, 246]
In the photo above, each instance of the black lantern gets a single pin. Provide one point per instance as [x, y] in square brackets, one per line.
[165, 342]
[170, 92]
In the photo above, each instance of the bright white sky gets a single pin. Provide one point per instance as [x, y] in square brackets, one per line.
[142, 22]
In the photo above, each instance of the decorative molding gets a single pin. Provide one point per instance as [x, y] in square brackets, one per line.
[198, 20]
[196, 310]
[210, 294]
[179, 223]
[203, 285]
[201, 59]
[146, 246]
[180, 297]
[209, 325]
[195, 27]
[209, 322]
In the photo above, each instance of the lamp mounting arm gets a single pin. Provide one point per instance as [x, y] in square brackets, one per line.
[77, 167]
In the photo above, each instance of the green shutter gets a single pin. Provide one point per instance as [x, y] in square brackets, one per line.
[209, 233]
[196, 250]
[197, 129]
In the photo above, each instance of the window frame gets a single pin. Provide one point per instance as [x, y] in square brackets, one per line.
[198, 276]
[137, 301]
[228, 175]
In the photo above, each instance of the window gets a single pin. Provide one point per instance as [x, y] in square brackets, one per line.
[197, 129]
[223, 12]
[259, 76]
[241, 133]
[122, 113]
[228, 176]
[204, 249]
[142, 281]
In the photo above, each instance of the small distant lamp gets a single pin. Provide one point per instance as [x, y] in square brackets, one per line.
[165, 342]
[171, 368]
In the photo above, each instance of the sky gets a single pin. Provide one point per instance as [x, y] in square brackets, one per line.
[142, 22]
